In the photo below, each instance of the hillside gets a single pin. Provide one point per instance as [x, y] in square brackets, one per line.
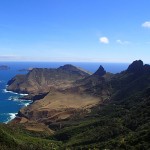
[122, 122]
[99, 111]
[17, 138]
[67, 93]
[37, 78]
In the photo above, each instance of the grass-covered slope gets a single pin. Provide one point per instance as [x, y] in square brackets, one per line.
[117, 126]
[15, 138]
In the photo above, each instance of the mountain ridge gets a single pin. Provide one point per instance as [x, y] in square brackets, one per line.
[116, 115]
[36, 78]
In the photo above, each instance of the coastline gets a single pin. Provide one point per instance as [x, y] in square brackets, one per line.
[11, 117]
[16, 98]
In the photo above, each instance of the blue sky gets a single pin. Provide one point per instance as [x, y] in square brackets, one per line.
[75, 30]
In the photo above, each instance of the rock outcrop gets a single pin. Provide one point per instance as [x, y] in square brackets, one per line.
[138, 67]
[100, 72]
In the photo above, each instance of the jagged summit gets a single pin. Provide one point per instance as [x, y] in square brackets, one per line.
[138, 67]
[100, 72]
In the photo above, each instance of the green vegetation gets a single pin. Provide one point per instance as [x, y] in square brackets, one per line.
[14, 138]
[118, 126]
[120, 123]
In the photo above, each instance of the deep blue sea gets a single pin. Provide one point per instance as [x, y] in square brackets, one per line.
[9, 102]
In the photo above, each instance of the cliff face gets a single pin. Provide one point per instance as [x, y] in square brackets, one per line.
[41, 80]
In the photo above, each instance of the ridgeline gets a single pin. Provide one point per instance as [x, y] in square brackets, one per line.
[81, 111]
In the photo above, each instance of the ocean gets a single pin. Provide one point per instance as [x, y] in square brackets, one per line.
[10, 103]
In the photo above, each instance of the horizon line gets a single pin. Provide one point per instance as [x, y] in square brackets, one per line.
[66, 61]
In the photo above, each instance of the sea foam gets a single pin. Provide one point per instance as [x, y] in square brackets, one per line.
[11, 116]
[26, 102]
[23, 94]
[6, 91]
[13, 98]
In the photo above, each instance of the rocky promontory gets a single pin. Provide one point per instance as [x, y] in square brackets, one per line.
[64, 93]
[42, 80]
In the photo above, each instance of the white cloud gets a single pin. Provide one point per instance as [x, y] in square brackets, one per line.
[104, 40]
[146, 24]
[122, 42]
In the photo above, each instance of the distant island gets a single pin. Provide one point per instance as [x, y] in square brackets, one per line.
[4, 67]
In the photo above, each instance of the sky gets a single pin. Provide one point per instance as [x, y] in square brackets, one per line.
[75, 30]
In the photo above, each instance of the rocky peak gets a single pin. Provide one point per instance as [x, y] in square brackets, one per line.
[75, 70]
[147, 68]
[136, 67]
[68, 67]
[100, 72]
